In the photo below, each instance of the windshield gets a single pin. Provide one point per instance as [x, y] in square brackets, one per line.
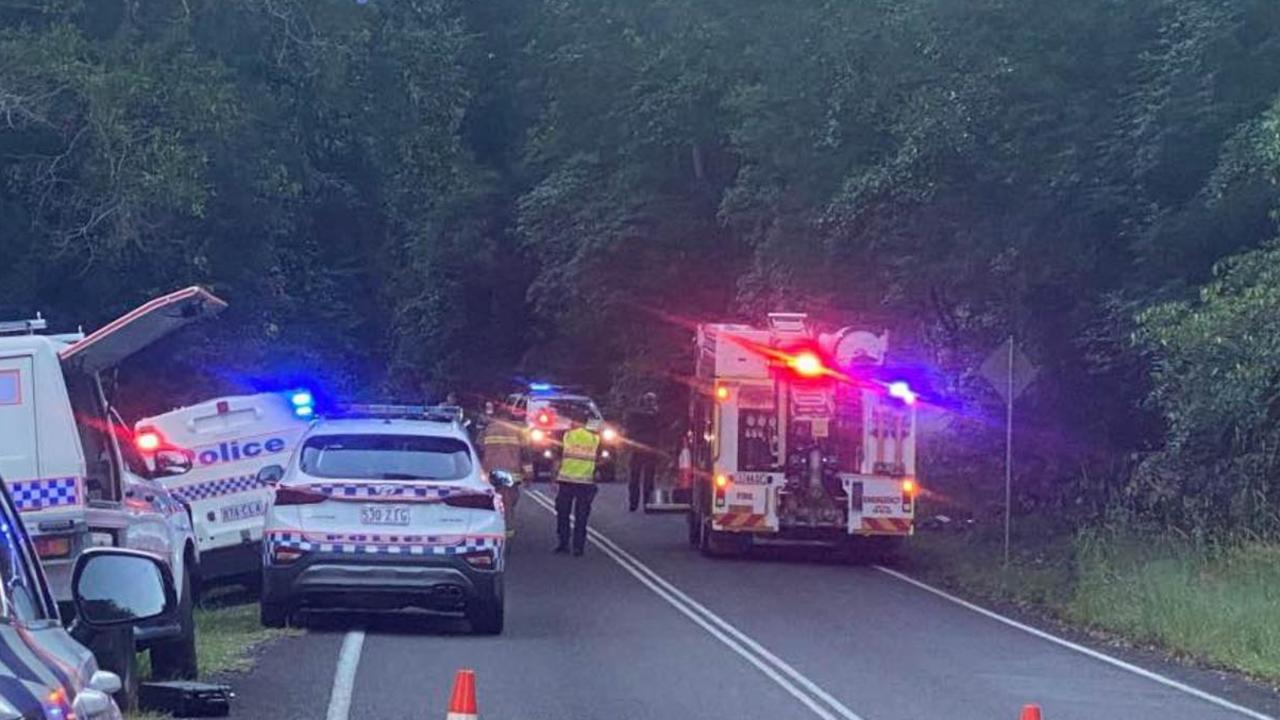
[577, 409]
[386, 457]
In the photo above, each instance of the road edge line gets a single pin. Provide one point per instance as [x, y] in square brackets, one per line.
[1083, 650]
[344, 676]
[730, 636]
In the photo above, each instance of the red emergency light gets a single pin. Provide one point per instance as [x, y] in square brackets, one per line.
[148, 440]
[545, 418]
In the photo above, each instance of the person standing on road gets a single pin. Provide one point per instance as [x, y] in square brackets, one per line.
[575, 484]
[643, 429]
[500, 449]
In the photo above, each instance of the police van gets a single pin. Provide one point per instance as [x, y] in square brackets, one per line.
[73, 473]
[229, 440]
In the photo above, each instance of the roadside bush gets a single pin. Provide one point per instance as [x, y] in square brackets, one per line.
[1216, 383]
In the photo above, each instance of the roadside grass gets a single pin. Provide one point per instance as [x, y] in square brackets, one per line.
[227, 634]
[1215, 606]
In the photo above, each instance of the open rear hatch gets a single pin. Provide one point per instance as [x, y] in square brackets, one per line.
[132, 332]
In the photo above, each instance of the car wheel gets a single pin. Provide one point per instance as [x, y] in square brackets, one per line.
[486, 616]
[119, 655]
[176, 659]
[273, 614]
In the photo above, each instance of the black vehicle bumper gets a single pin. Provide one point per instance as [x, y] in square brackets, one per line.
[444, 582]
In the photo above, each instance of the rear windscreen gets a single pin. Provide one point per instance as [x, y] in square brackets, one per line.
[386, 457]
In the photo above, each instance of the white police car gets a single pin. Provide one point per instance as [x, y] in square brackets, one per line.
[386, 507]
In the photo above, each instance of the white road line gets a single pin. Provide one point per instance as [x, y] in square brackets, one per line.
[718, 628]
[344, 678]
[1115, 662]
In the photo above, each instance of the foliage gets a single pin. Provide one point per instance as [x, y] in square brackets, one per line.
[410, 196]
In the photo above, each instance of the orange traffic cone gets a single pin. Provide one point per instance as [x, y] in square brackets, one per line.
[462, 704]
[1029, 712]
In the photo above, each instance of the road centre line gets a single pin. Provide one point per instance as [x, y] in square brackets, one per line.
[1114, 662]
[787, 677]
[344, 677]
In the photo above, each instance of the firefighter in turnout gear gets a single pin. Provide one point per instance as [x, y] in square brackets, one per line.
[576, 487]
[500, 446]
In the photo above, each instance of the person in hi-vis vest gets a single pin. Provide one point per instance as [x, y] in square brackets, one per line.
[500, 449]
[576, 484]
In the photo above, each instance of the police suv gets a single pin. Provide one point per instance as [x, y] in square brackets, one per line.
[385, 507]
[229, 440]
[67, 459]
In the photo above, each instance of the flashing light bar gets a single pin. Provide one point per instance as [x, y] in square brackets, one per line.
[304, 403]
[541, 387]
[437, 413]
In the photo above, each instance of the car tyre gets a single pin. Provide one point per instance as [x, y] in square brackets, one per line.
[273, 614]
[119, 655]
[486, 616]
[177, 659]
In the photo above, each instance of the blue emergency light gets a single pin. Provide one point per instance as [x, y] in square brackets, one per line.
[540, 387]
[901, 390]
[304, 403]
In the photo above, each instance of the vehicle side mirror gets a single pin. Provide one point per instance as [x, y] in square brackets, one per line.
[113, 586]
[170, 462]
[270, 475]
[502, 479]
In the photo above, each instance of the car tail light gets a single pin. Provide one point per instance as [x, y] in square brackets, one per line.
[722, 484]
[482, 559]
[284, 555]
[52, 547]
[298, 496]
[909, 490]
[475, 501]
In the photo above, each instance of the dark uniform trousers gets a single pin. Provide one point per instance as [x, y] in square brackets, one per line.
[573, 499]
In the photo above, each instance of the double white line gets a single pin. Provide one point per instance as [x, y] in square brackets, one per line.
[788, 678]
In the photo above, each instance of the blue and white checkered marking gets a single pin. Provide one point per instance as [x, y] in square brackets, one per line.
[381, 544]
[397, 492]
[45, 493]
[218, 488]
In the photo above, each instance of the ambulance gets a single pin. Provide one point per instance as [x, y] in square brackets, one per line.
[73, 473]
[799, 435]
[229, 440]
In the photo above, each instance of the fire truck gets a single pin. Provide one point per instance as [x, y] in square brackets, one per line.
[799, 435]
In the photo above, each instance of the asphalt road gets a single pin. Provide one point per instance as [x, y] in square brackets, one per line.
[644, 628]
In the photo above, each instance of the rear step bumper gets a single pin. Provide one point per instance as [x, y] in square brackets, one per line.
[336, 580]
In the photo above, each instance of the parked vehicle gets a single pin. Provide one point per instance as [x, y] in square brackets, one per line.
[46, 671]
[74, 474]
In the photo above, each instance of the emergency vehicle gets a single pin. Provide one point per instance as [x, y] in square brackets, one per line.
[68, 462]
[385, 507]
[799, 435]
[544, 410]
[229, 440]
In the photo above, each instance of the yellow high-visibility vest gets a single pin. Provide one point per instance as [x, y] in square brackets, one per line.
[579, 462]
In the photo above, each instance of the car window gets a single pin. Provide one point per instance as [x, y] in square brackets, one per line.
[386, 457]
[22, 593]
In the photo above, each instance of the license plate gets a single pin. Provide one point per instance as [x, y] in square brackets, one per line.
[384, 515]
[243, 511]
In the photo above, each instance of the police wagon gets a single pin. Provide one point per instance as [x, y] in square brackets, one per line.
[385, 507]
[229, 440]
